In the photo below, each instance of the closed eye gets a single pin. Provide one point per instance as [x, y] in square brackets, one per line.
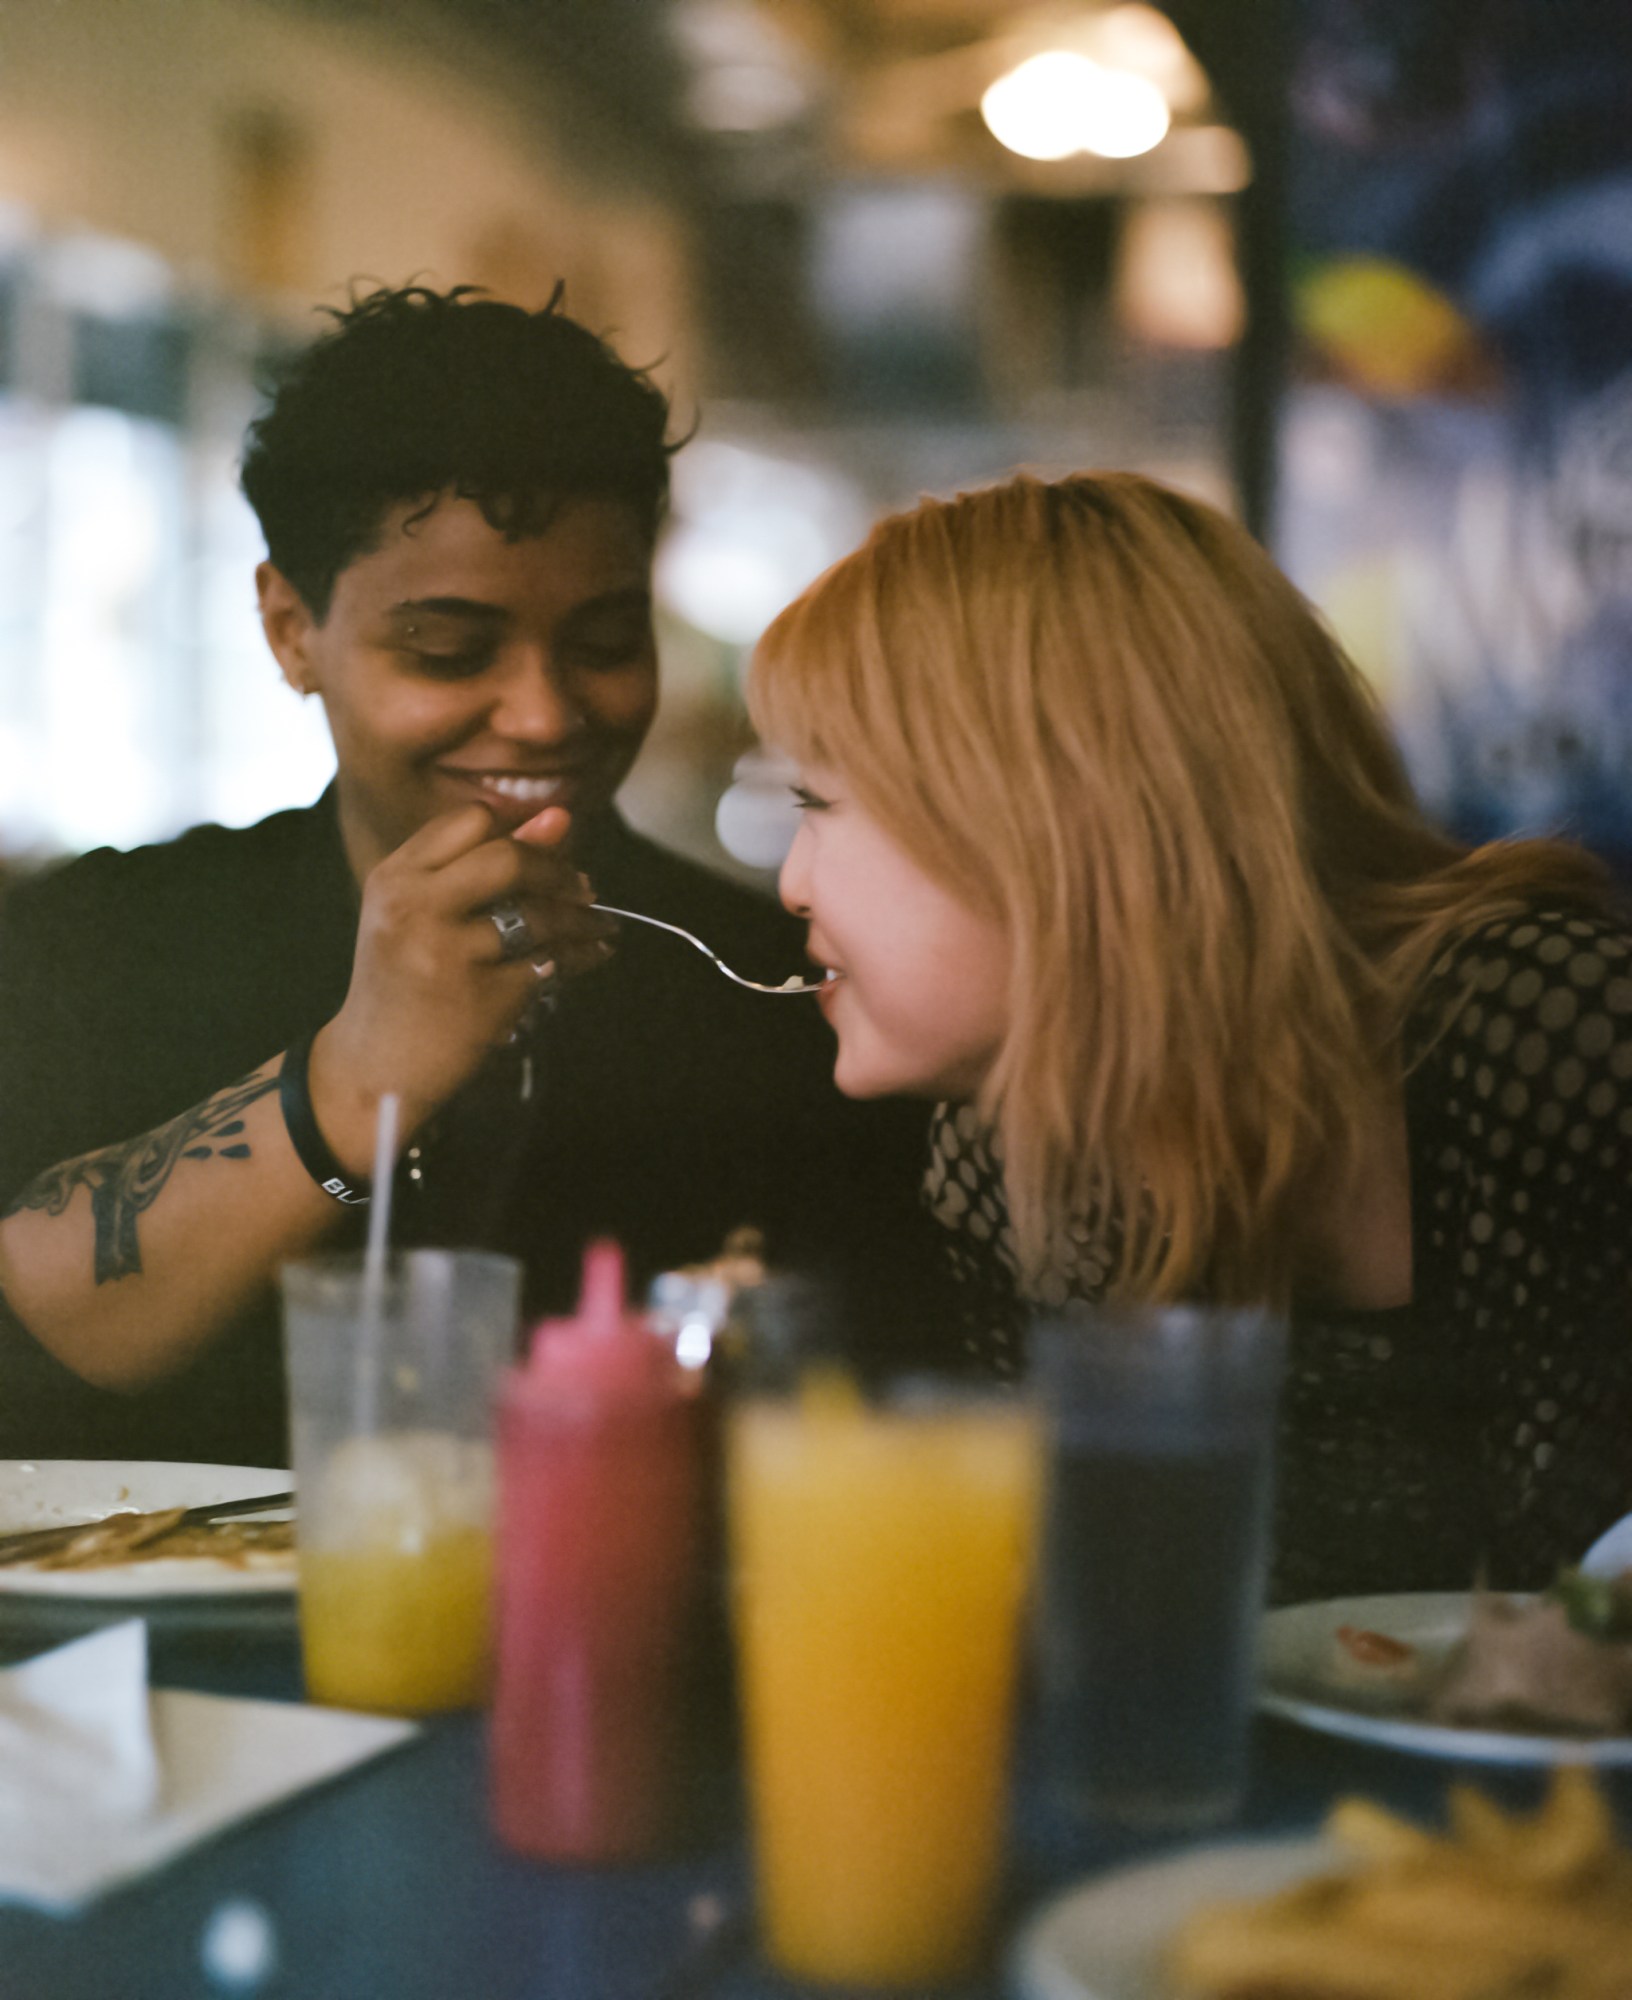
[607, 633]
[808, 801]
[452, 663]
[604, 656]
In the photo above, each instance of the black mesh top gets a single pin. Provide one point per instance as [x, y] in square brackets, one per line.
[1485, 1429]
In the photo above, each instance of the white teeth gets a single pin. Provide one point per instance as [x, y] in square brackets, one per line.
[531, 791]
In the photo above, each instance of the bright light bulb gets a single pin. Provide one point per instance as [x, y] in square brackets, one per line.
[1060, 103]
[1037, 110]
[1126, 115]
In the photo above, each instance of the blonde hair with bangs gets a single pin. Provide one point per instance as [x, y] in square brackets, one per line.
[1095, 709]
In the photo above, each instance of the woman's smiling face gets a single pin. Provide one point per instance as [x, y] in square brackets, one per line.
[920, 1006]
[455, 664]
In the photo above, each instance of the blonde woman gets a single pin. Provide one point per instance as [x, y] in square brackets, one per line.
[1113, 856]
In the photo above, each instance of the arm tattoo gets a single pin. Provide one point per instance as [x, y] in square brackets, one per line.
[126, 1179]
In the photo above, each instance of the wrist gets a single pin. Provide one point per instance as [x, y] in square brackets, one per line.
[346, 1104]
[311, 1148]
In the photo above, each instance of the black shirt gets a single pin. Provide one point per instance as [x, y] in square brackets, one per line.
[668, 1105]
[1485, 1429]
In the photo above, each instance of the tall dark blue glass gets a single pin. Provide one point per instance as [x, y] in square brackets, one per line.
[1155, 1544]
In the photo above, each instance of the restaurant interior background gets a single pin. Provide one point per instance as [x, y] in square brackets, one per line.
[1359, 268]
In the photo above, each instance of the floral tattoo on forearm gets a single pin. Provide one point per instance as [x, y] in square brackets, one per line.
[124, 1180]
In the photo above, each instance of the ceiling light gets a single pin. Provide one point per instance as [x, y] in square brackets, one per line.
[1059, 103]
[1127, 115]
[746, 74]
[1036, 110]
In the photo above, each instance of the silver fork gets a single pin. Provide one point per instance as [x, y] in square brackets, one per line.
[794, 985]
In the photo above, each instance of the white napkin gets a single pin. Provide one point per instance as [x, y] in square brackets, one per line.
[1612, 1552]
[101, 1781]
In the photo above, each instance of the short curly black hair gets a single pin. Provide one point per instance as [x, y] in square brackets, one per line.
[416, 392]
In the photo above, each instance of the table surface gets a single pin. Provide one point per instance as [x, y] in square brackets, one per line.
[386, 1884]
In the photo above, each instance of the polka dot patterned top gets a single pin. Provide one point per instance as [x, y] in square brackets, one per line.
[1485, 1429]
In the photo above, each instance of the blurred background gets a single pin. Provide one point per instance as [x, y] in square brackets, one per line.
[1360, 270]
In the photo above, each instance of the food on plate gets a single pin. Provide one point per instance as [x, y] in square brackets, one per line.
[1601, 1605]
[1503, 1906]
[1375, 1663]
[739, 1266]
[1524, 1664]
[1558, 1663]
[697, 1306]
[161, 1536]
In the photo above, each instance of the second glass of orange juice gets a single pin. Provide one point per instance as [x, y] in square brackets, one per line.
[882, 1553]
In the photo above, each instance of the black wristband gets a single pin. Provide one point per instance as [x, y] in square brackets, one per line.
[311, 1148]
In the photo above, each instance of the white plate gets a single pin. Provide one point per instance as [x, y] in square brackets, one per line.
[1295, 1683]
[1107, 1939]
[52, 1492]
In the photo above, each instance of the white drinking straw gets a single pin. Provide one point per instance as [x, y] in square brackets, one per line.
[366, 1385]
[379, 1212]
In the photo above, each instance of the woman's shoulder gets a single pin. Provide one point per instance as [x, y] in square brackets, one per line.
[1522, 1071]
[1546, 969]
[197, 852]
[95, 902]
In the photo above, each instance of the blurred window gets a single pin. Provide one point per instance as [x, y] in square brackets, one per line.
[136, 693]
[135, 365]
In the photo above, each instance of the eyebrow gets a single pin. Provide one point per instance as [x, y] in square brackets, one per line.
[634, 597]
[448, 607]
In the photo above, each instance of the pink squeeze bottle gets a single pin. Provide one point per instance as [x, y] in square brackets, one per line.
[598, 1544]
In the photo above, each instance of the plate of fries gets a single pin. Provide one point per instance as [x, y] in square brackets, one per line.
[1498, 1906]
[132, 1545]
[1367, 1668]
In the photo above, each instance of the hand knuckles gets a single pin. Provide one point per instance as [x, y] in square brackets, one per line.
[426, 959]
[506, 869]
[391, 905]
[550, 871]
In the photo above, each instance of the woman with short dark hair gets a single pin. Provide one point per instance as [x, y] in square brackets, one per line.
[459, 498]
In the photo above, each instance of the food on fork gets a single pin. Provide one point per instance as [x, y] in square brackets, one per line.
[1505, 1906]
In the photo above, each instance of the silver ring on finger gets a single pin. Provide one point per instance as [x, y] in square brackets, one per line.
[515, 939]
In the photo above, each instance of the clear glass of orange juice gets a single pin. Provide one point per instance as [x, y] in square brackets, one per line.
[882, 1552]
[391, 1381]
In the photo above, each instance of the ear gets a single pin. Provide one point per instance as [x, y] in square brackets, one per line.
[288, 626]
